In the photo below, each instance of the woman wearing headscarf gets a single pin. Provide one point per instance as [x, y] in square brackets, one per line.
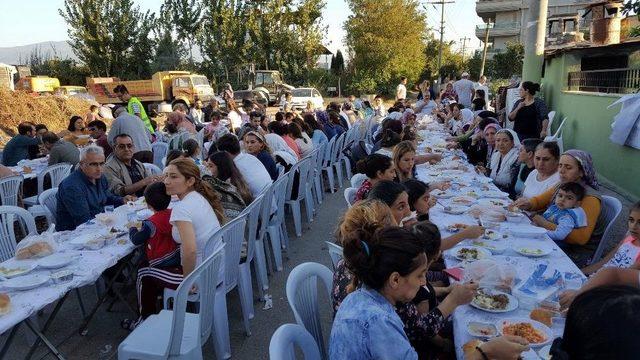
[507, 146]
[449, 94]
[281, 152]
[575, 166]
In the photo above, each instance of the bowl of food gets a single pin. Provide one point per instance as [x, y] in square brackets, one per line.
[494, 202]
[62, 276]
[515, 216]
[454, 228]
[482, 330]
[490, 234]
[535, 332]
[494, 301]
[455, 209]
[496, 247]
[471, 253]
[533, 249]
[107, 219]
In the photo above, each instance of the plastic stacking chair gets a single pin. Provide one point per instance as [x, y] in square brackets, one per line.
[47, 205]
[10, 189]
[344, 159]
[557, 136]
[176, 334]
[277, 228]
[357, 180]
[317, 175]
[283, 340]
[335, 158]
[302, 294]
[295, 198]
[255, 246]
[551, 115]
[153, 169]
[56, 173]
[610, 209]
[160, 150]
[8, 216]
[327, 163]
[335, 252]
[350, 195]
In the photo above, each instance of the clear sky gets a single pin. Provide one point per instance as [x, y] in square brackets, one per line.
[31, 21]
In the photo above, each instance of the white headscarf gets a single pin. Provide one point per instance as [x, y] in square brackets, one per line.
[277, 143]
[467, 116]
[502, 176]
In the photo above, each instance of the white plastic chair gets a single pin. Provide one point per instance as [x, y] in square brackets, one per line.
[317, 178]
[277, 228]
[295, 200]
[336, 158]
[255, 245]
[302, 295]
[281, 170]
[557, 136]
[283, 340]
[357, 180]
[153, 169]
[610, 209]
[10, 189]
[273, 232]
[8, 216]
[56, 173]
[551, 115]
[309, 183]
[344, 159]
[350, 195]
[327, 162]
[47, 205]
[160, 150]
[174, 334]
[335, 252]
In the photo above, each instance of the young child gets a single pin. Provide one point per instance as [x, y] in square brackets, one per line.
[627, 253]
[155, 232]
[565, 214]
[191, 150]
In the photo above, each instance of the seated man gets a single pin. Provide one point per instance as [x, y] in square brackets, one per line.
[126, 175]
[125, 123]
[60, 151]
[252, 170]
[84, 193]
[98, 130]
[18, 147]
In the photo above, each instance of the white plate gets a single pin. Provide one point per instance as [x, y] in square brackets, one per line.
[494, 202]
[482, 253]
[21, 269]
[456, 209]
[512, 305]
[496, 247]
[528, 231]
[26, 282]
[442, 194]
[533, 249]
[536, 325]
[463, 200]
[493, 194]
[490, 234]
[474, 326]
[86, 241]
[55, 261]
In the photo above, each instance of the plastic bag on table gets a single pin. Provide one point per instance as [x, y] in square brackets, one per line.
[36, 246]
[489, 274]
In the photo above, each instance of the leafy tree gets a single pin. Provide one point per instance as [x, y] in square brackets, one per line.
[506, 63]
[186, 16]
[68, 71]
[169, 52]
[337, 63]
[386, 41]
[474, 64]
[452, 64]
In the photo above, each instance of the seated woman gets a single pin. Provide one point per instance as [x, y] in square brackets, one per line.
[525, 164]
[507, 147]
[377, 168]
[545, 175]
[404, 161]
[386, 124]
[395, 196]
[482, 145]
[224, 177]
[305, 145]
[389, 140]
[454, 120]
[318, 136]
[574, 166]
[478, 103]
[256, 145]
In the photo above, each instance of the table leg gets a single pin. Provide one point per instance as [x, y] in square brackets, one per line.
[7, 343]
[40, 335]
[46, 325]
[82, 310]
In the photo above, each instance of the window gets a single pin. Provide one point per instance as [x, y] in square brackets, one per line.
[316, 93]
[301, 93]
[181, 82]
[199, 80]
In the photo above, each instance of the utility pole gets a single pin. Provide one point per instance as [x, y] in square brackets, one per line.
[534, 40]
[464, 43]
[442, 3]
[484, 49]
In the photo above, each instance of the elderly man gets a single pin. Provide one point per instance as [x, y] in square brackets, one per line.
[131, 125]
[18, 147]
[60, 151]
[464, 89]
[85, 192]
[126, 175]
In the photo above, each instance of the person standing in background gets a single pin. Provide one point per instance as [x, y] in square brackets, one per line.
[464, 89]
[401, 89]
[134, 106]
[482, 85]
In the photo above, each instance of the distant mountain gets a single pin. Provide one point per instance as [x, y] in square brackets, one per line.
[20, 54]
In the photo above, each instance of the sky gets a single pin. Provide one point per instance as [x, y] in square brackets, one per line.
[32, 21]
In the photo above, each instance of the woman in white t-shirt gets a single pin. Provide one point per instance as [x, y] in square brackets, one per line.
[545, 175]
[234, 116]
[198, 214]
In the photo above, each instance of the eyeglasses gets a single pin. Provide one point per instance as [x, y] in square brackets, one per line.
[96, 164]
[124, 146]
[92, 129]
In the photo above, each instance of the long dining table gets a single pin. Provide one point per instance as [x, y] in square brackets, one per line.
[534, 277]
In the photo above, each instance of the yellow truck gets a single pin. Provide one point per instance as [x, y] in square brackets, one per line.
[38, 84]
[164, 86]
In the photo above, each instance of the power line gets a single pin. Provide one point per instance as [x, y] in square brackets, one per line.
[442, 3]
[464, 43]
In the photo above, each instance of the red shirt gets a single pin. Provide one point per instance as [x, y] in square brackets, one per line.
[292, 144]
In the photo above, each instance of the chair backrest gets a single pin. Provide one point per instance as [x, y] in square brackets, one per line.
[313, 160]
[335, 252]
[302, 169]
[10, 188]
[559, 130]
[283, 340]
[266, 209]
[337, 151]
[610, 209]
[153, 169]
[160, 150]
[357, 180]
[550, 116]
[232, 235]
[204, 277]
[302, 294]
[252, 212]
[200, 140]
[350, 195]
[281, 170]
[279, 191]
[8, 216]
[48, 199]
[328, 156]
[56, 172]
[322, 153]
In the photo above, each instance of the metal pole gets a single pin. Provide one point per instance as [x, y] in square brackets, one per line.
[484, 48]
[536, 27]
[464, 45]
[442, 3]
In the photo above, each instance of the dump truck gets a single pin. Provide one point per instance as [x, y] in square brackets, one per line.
[270, 84]
[164, 87]
[7, 72]
[38, 84]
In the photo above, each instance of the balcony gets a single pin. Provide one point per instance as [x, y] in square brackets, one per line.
[488, 8]
[610, 81]
[499, 30]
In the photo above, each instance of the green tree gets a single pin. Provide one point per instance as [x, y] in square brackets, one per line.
[337, 63]
[169, 52]
[111, 37]
[186, 16]
[386, 41]
[452, 64]
[507, 63]
[474, 64]
[68, 71]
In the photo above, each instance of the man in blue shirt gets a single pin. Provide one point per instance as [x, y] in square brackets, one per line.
[18, 147]
[85, 192]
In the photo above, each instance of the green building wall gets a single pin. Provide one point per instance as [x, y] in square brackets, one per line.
[588, 125]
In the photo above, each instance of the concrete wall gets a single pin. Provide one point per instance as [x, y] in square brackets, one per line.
[588, 125]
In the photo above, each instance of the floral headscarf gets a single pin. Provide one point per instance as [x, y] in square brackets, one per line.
[492, 125]
[586, 163]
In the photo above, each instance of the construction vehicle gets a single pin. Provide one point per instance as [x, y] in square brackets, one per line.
[38, 84]
[170, 87]
[7, 72]
[270, 84]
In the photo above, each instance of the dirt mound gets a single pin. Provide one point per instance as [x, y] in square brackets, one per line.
[53, 111]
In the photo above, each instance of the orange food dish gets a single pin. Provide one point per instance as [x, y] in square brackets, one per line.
[525, 330]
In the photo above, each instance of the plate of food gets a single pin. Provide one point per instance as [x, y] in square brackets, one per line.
[471, 253]
[455, 209]
[55, 261]
[533, 249]
[493, 194]
[528, 231]
[26, 282]
[11, 269]
[535, 332]
[89, 241]
[494, 202]
[494, 301]
[454, 228]
[496, 247]
[463, 200]
[441, 194]
[515, 216]
[481, 330]
[491, 234]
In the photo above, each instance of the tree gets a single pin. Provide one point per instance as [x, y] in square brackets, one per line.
[66, 70]
[111, 37]
[337, 63]
[507, 63]
[186, 16]
[452, 64]
[386, 41]
[169, 52]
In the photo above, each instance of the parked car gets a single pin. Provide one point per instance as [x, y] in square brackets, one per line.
[300, 97]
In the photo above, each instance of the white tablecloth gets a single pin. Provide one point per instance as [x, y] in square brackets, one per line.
[36, 165]
[556, 260]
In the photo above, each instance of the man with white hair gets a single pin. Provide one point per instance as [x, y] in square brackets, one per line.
[131, 125]
[464, 89]
[85, 192]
